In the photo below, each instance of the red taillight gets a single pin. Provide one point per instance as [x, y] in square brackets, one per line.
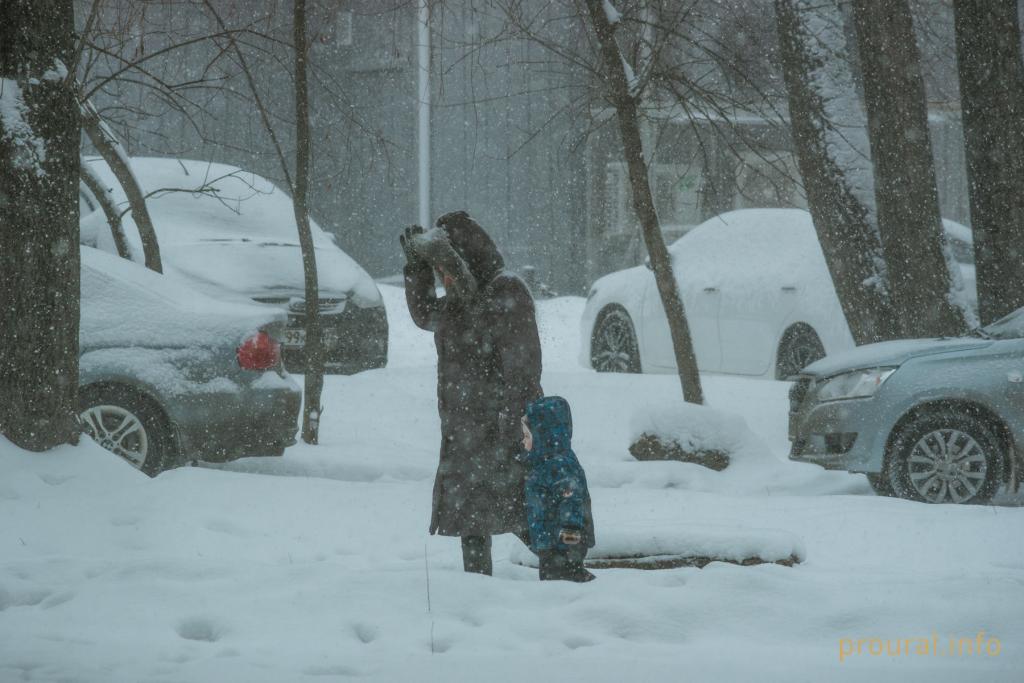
[259, 352]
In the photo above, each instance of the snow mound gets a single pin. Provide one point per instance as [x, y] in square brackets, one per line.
[660, 542]
[693, 427]
[753, 467]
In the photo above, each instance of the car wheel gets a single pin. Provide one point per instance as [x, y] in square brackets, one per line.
[129, 426]
[614, 347]
[880, 484]
[800, 346]
[946, 457]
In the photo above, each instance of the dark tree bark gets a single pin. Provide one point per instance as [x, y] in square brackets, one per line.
[39, 254]
[109, 147]
[625, 103]
[905, 189]
[314, 347]
[833, 155]
[991, 73]
[113, 216]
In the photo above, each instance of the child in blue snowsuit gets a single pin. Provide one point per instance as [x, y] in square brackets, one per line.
[557, 499]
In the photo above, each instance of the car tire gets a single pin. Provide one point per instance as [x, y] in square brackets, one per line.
[880, 484]
[800, 346]
[946, 456]
[614, 346]
[129, 425]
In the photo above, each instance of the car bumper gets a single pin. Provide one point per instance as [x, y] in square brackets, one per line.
[354, 340]
[254, 421]
[838, 435]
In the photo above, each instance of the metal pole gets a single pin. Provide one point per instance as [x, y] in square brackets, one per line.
[423, 111]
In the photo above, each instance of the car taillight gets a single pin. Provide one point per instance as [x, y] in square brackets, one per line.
[259, 352]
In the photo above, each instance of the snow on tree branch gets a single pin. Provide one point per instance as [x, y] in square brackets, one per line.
[28, 150]
[614, 16]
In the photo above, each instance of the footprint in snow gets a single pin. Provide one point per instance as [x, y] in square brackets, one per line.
[56, 479]
[22, 598]
[330, 671]
[576, 642]
[201, 629]
[366, 633]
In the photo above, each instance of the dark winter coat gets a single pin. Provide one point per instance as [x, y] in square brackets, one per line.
[488, 369]
[557, 496]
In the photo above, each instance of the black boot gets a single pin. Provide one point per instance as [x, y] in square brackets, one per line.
[476, 554]
[561, 565]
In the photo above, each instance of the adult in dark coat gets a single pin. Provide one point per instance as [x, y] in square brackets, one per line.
[488, 370]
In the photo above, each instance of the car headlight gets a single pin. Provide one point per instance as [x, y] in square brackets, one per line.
[856, 384]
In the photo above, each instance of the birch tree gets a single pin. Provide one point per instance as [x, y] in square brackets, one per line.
[39, 254]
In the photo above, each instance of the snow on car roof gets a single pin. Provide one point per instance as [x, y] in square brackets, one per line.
[210, 231]
[124, 304]
[768, 246]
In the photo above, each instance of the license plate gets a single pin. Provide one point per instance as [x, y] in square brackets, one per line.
[294, 337]
[297, 338]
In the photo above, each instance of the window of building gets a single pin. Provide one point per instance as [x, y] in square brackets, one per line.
[768, 180]
[676, 190]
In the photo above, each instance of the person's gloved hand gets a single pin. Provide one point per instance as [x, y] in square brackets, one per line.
[412, 257]
[570, 536]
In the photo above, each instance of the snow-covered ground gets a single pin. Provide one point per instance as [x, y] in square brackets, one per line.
[318, 566]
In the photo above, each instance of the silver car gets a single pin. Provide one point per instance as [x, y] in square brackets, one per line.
[168, 375]
[934, 420]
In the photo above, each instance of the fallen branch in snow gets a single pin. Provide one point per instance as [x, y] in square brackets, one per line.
[653, 562]
[652, 447]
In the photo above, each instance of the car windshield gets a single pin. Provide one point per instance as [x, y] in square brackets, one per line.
[1009, 327]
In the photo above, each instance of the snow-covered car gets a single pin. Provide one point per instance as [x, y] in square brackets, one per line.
[758, 295]
[935, 420]
[232, 235]
[168, 375]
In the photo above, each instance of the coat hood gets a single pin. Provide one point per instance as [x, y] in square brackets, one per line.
[473, 244]
[550, 423]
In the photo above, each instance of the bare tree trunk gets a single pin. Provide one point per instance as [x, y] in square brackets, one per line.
[988, 45]
[109, 147]
[113, 216]
[314, 347]
[625, 104]
[39, 253]
[833, 153]
[913, 240]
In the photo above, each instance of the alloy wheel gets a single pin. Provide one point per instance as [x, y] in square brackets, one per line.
[615, 346]
[947, 465]
[118, 430]
[801, 348]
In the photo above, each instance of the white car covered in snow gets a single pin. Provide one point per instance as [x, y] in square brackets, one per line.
[758, 295]
[231, 234]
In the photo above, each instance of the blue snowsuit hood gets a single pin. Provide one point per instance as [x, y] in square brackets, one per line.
[550, 422]
[557, 497]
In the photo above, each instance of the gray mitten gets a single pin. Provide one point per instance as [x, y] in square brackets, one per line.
[414, 259]
[437, 250]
